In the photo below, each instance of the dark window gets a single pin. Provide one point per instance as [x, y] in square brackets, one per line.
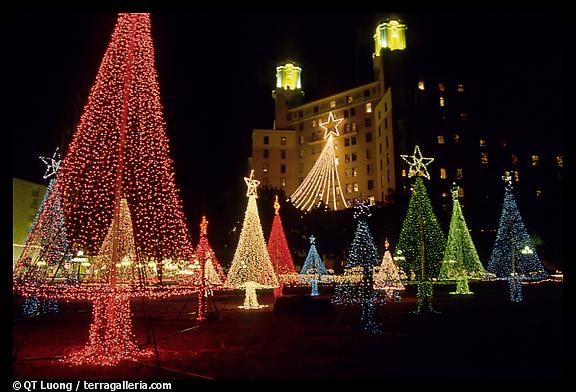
[282, 169]
[354, 157]
[266, 153]
[353, 111]
[301, 126]
[283, 154]
[368, 137]
[366, 93]
[315, 109]
[346, 142]
[345, 113]
[353, 140]
[368, 122]
[370, 184]
[266, 140]
[368, 156]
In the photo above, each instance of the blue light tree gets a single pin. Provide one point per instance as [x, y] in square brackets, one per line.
[362, 258]
[514, 256]
[313, 267]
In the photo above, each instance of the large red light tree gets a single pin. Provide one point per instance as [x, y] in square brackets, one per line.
[119, 198]
[280, 253]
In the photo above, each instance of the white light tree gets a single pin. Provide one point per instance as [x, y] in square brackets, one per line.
[322, 184]
[251, 267]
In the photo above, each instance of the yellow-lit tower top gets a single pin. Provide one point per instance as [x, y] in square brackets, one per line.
[390, 35]
[288, 91]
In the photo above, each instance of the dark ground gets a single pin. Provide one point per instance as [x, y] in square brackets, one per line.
[484, 336]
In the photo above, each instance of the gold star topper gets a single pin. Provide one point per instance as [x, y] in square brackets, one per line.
[204, 226]
[52, 163]
[329, 130]
[252, 184]
[418, 163]
[276, 206]
[454, 191]
[386, 244]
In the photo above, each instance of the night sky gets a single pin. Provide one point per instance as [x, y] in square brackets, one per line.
[216, 72]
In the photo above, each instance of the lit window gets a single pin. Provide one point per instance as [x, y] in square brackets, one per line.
[346, 158]
[332, 104]
[346, 128]
[347, 172]
[441, 101]
[460, 88]
[301, 153]
[441, 87]
[463, 116]
[348, 188]
[355, 187]
[354, 172]
[313, 123]
[265, 168]
[443, 173]
[440, 139]
[514, 159]
[283, 140]
[369, 107]
[282, 154]
[420, 84]
[516, 176]
[538, 193]
[459, 174]
[266, 140]
[403, 172]
[301, 140]
[484, 158]
[460, 192]
[482, 142]
[456, 138]
[349, 98]
[336, 161]
[560, 160]
[371, 200]
[535, 159]
[353, 127]
[265, 153]
[283, 182]
[444, 194]
[282, 169]
[370, 184]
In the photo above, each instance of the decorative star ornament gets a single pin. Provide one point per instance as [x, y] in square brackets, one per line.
[252, 184]
[331, 129]
[52, 163]
[507, 177]
[454, 191]
[203, 226]
[418, 163]
[312, 239]
[276, 206]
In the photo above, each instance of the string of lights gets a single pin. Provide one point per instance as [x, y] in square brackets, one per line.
[322, 184]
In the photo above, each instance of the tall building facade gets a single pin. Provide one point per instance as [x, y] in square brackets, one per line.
[26, 198]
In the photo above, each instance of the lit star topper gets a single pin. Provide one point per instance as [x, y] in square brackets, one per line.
[312, 239]
[52, 163]
[507, 177]
[418, 163]
[252, 184]
[276, 206]
[454, 191]
[204, 226]
[328, 130]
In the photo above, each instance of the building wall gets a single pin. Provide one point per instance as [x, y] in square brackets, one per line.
[26, 198]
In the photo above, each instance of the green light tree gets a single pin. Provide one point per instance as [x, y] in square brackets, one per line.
[421, 245]
[461, 261]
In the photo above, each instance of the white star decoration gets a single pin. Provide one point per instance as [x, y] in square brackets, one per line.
[329, 130]
[252, 184]
[418, 163]
[312, 239]
[52, 163]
